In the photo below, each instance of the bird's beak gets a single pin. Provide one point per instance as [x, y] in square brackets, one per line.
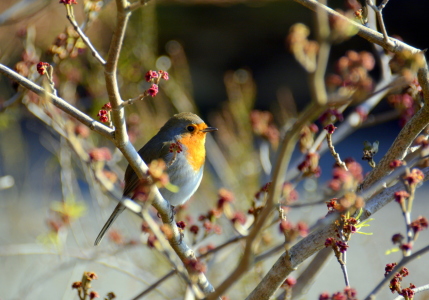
[209, 129]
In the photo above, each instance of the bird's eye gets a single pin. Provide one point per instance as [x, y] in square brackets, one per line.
[190, 128]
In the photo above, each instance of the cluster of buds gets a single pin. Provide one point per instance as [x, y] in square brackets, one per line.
[83, 287]
[262, 123]
[68, 2]
[411, 98]
[310, 166]
[223, 207]
[330, 116]
[348, 294]
[152, 241]
[289, 193]
[395, 283]
[416, 226]
[104, 113]
[67, 44]
[337, 245]
[330, 128]
[157, 170]
[100, 154]
[42, 67]
[64, 212]
[407, 102]
[175, 148]
[407, 63]
[208, 221]
[92, 8]
[352, 75]
[195, 266]
[263, 190]
[396, 164]
[419, 224]
[346, 226]
[306, 137]
[28, 60]
[422, 141]
[289, 282]
[291, 231]
[360, 12]
[346, 179]
[413, 178]
[287, 285]
[154, 77]
[304, 50]
[203, 250]
[333, 205]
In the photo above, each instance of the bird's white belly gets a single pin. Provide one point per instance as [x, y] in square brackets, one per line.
[185, 178]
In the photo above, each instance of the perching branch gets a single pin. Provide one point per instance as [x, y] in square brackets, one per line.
[119, 135]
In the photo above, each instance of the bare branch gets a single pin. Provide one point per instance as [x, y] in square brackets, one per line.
[403, 262]
[314, 242]
[154, 285]
[378, 13]
[59, 102]
[274, 194]
[85, 39]
[420, 119]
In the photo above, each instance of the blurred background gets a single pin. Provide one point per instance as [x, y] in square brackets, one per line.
[228, 61]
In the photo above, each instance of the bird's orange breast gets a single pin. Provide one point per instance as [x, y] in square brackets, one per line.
[194, 142]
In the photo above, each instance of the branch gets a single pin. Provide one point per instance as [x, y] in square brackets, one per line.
[274, 194]
[315, 242]
[119, 136]
[404, 261]
[308, 276]
[418, 122]
[59, 102]
[85, 39]
[400, 146]
[124, 145]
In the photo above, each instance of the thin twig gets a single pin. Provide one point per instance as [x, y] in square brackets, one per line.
[344, 269]
[378, 13]
[11, 101]
[85, 39]
[59, 102]
[168, 275]
[334, 153]
[165, 249]
[135, 5]
[285, 151]
[155, 285]
[130, 101]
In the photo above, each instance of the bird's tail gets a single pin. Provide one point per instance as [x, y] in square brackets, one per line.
[116, 212]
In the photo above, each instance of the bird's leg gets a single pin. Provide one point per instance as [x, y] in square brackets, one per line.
[173, 213]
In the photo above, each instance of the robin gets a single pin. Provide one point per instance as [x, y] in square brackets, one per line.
[185, 167]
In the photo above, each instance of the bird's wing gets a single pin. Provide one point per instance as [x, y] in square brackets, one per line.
[148, 153]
